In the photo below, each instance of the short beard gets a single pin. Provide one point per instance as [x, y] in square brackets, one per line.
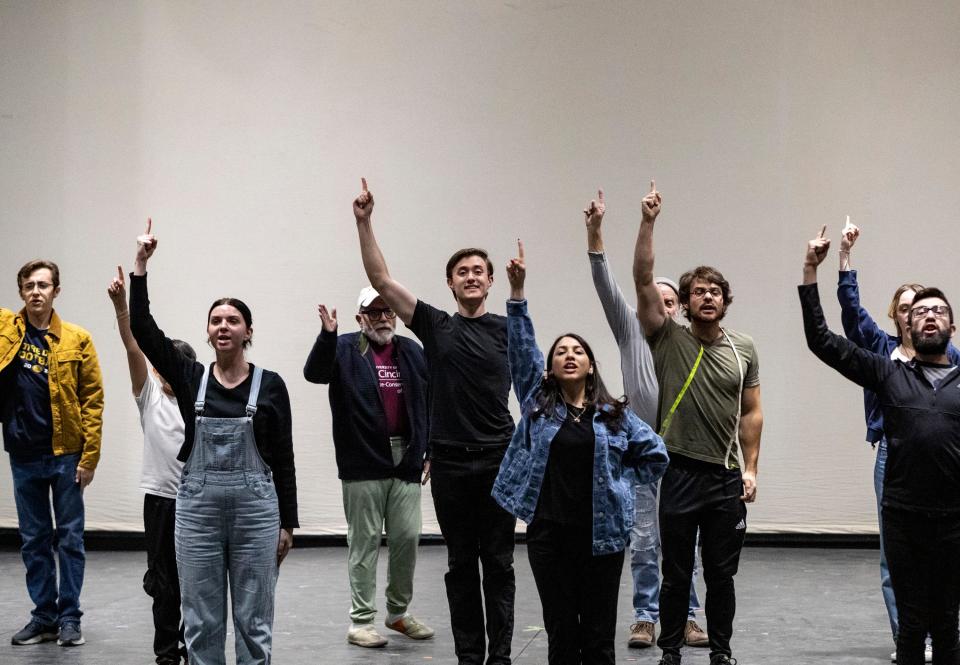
[377, 337]
[932, 346]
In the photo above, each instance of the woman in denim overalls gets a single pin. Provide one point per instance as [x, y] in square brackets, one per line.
[230, 526]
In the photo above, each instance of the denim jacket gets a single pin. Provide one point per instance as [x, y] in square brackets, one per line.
[632, 453]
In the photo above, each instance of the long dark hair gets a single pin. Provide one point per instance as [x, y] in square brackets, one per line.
[549, 395]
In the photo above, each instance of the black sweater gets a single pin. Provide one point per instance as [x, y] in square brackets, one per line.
[359, 423]
[272, 423]
[922, 423]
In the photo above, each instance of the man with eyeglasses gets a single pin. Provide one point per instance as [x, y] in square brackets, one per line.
[920, 401]
[378, 383]
[470, 429]
[709, 405]
[51, 405]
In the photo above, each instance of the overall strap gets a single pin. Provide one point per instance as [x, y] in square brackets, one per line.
[254, 391]
[202, 392]
[734, 446]
[686, 384]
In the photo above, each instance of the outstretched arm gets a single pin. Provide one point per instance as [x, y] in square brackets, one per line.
[526, 360]
[393, 292]
[650, 309]
[136, 363]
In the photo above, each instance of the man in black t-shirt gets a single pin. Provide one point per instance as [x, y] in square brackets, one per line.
[470, 428]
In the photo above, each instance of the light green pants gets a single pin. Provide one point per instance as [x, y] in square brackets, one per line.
[372, 507]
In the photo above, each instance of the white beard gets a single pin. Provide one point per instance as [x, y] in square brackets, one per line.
[377, 337]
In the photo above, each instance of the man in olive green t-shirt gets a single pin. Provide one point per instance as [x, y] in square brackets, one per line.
[709, 406]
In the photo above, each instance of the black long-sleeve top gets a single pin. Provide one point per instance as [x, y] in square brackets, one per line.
[272, 424]
[921, 422]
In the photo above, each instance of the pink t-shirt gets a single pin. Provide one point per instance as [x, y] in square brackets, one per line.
[391, 389]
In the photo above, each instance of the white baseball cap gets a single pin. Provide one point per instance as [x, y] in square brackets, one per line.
[367, 295]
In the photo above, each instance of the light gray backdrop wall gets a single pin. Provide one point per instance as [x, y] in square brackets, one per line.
[243, 129]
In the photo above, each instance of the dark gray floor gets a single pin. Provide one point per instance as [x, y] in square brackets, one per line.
[795, 606]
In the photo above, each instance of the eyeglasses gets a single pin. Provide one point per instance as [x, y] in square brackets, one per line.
[938, 310]
[700, 291]
[377, 314]
[30, 286]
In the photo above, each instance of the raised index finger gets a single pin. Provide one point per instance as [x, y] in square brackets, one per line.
[149, 225]
[363, 185]
[120, 273]
[653, 186]
[520, 249]
[600, 195]
[823, 229]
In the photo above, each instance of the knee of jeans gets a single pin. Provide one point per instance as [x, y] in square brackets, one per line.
[643, 536]
[70, 539]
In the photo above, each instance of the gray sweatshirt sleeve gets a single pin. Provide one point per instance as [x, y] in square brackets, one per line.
[636, 360]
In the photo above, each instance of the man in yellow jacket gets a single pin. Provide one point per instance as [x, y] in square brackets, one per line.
[51, 405]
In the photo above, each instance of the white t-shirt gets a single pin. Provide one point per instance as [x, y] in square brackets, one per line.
[162, 438]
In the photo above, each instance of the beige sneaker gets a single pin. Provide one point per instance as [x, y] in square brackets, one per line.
[694, 635]
[411, 627]
[642, 635]
[366, 636]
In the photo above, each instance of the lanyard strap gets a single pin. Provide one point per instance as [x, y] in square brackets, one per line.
[683, 391]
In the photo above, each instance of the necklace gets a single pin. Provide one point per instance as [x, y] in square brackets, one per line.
[575, 413]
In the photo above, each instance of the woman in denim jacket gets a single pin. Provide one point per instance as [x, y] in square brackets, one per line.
[569, 473]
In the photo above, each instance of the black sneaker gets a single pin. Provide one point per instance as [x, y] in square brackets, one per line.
[34, 633]
[669, 659]
[70, 635]
[722, 659]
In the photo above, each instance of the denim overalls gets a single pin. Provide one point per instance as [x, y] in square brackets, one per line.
[227, 526]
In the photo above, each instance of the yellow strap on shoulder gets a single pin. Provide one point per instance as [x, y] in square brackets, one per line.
[686, 384]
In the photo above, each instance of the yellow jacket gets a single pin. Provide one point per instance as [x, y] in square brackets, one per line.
[76, 388]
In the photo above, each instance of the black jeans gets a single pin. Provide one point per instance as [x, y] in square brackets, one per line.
[923, 554]
[161, 581]
[578, 591]
[475, 527]
[694, 495]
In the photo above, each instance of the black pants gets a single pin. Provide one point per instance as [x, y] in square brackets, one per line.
[161, 581]
[696, 495]
[923, 554]
[578, 591]
[475, 527]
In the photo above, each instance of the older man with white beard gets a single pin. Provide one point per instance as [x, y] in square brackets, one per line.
[378, 384]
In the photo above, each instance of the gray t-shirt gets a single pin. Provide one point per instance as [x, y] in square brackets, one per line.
[636, 361]
[704, 426]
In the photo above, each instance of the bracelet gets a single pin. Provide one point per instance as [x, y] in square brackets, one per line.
[123, 315]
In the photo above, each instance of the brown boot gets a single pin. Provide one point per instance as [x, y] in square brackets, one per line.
[642, 635]
[694, 636]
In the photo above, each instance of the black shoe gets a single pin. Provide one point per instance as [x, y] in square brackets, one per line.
[34, 633]
[670, 659]
[722, 659]
[70, 635]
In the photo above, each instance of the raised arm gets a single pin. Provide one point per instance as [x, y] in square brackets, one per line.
[136, 363]
[859, 327]
[621, 317]
[393, 292]
[322, 361]
[650, 309]
[751, 424]
[526, 360]
[173, 366]
[858, 365]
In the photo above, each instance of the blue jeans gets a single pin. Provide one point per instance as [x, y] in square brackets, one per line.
[33, 484]
[645, 557]
[885, 585]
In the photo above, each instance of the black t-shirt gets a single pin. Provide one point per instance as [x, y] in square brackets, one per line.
[29, 430]
[567, 492]
[469, 377]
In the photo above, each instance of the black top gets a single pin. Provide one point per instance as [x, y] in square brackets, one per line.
[567, 492]
[272, 425]
[469, 377]
[359, 423]
[921, 421]
[28, 432]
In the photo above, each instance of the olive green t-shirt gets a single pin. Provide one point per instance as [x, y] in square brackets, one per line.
[704, 425]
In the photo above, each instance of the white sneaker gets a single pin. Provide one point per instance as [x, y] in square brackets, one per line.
[365, 636]
[927, 654]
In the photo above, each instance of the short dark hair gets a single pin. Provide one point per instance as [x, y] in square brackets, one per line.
[707, 274]
[240, 306]
[930, 292]
[37, 264]
[461, 254]
[185, 349]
